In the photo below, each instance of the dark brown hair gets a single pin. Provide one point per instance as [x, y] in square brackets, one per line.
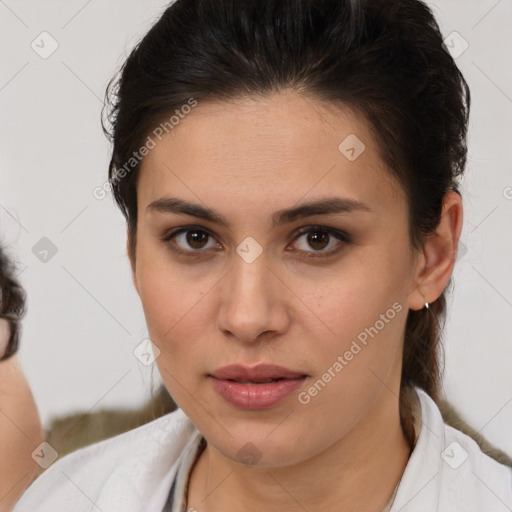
[384, 58]
[12, 303]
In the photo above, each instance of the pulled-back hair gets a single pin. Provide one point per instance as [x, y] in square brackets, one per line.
[385, 59]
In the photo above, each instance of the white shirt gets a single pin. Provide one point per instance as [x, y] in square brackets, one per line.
[134, 471]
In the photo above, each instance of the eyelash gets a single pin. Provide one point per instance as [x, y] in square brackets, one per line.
[339, 235]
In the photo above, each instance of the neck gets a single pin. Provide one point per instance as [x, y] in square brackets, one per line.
[373, 456]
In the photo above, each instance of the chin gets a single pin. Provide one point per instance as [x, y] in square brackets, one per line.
[263, 448]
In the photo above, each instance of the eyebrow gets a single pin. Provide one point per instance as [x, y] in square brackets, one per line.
[330, 205]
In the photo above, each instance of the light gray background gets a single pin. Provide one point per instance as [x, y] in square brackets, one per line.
[84, 317]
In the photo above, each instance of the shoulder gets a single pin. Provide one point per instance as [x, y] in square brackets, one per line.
[448, 471]
[472, 479]
[124, 469]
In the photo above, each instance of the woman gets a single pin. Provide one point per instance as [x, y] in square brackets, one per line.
[313, 150]
[20, 427]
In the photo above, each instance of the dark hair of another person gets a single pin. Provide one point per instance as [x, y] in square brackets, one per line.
[384, 59]
[12, 303]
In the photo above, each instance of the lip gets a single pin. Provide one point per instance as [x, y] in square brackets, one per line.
[259, 372]
[252, 396]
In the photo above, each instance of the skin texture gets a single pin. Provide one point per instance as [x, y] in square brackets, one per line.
[20, 428]
[246, 159]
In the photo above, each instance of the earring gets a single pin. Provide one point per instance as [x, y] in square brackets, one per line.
[426, 305]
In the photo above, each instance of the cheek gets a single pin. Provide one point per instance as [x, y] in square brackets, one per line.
[367, 316]
[175, 312]
[359, 317]
[353, 299]
[171, 298]
[176, 320]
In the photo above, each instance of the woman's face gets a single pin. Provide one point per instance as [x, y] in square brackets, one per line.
[251, 293]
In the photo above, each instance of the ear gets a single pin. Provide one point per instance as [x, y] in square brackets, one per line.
[131, 257]
[436, 260]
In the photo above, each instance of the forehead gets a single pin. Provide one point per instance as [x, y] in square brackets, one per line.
[273, 149]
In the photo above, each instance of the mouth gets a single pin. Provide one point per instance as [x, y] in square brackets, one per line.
[260, 387]
[260, 374]
[244, 381]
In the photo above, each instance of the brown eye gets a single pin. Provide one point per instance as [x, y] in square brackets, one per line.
[189, 240]
[196, 238]
[320, 238]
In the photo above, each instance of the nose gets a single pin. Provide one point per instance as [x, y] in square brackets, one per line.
[253, 302]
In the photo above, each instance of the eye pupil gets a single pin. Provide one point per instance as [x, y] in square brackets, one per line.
[313, 239]
[193, 238]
